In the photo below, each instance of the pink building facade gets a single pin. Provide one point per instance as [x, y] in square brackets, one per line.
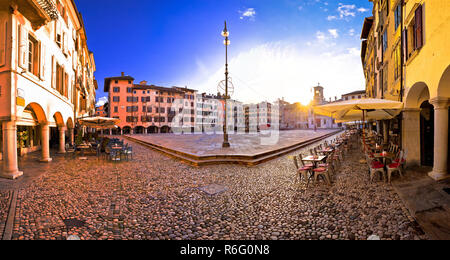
[146, 109]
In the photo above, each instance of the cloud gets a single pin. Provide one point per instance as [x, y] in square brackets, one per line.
[332, 17]
[334, 33]
[250, 14]
[102, 101]
[351, 32]
[346, 10]
[362, 10]
[288, 69]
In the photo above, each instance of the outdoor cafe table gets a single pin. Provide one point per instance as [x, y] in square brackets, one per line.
[326, 150]
[314, 159]
[82, 148]
[384, 156]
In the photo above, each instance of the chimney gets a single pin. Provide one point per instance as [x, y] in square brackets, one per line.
[143, 82]
[123, 74]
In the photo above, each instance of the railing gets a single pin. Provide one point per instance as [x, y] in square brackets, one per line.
[49, 7]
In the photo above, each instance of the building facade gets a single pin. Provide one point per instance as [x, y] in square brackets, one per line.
[415, 69]
[101, 111]
[46, 77]
[319, 121]
[144, 108]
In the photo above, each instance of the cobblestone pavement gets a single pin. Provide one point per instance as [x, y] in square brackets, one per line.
[156, 197]
[4, 207]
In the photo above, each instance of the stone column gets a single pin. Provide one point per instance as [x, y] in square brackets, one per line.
[121, 132]
[385, 132]
[145, 131]
[411, 136]
[62, 140]
[45, 142]
[10, 166]
[71, 136]
[440, 138]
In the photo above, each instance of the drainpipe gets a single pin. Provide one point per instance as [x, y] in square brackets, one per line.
[402, 58]
[402, 55]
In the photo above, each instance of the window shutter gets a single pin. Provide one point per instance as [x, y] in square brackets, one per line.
[42, 50]
[419, 28]
[66, 44]
[405, 45]
[23, 47]
[3, 37]
[74, 60]
[58, 33]
[53, 72]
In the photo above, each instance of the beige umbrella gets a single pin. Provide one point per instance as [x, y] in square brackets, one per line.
[99, 122]
[357, 109]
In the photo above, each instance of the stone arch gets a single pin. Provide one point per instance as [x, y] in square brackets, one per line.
[165, 129]
[59, 119]
[70, 123]
[152, 129]
[444, 84]
[38, 112]
[416, 95]
[139, 130]
[127, 130]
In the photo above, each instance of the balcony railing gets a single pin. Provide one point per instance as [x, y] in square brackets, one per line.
[49, 7]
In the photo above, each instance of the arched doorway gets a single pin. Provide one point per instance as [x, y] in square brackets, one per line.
[427, 134]
[116, 131]
[165, 129]
[444, 92]
[415, 125]
[139, 130]
[152, 129]
[127, 130]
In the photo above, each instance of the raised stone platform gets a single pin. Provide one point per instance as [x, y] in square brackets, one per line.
[246, 149]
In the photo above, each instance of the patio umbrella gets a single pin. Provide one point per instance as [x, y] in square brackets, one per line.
[99, 122]
[357, 109]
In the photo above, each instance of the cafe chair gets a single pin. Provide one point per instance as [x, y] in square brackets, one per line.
[397, 166]
[302, 172]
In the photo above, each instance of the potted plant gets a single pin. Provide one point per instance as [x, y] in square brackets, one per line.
[22, 138]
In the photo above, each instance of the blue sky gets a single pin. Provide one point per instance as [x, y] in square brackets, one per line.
[279, 48]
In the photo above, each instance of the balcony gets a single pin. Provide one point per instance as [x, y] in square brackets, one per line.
[38, 12]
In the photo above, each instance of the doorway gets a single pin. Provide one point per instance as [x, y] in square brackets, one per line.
[427, 134]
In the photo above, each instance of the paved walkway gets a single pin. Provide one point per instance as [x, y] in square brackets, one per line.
[156, 197]
[428, 201]
[241, 144]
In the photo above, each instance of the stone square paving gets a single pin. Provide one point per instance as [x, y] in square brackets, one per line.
[241, 144]
[156, 197]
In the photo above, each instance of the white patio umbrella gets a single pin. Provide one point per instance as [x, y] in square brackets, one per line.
[361, 109]
[99, 122]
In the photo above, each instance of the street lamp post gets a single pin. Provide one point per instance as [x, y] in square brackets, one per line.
[225, 34]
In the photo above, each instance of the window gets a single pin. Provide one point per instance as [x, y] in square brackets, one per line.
[132, 99]
[33, 55]
[116, 109]
[149, 109]
[116, 89]
[116, 81]
[385, 42]
[413, 35]
[129, 90]
[116, 99]
[144, 109]
[398, 15]
[397, 60]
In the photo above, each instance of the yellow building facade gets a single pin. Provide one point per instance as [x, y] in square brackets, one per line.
[413, 66]
[46, 78]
